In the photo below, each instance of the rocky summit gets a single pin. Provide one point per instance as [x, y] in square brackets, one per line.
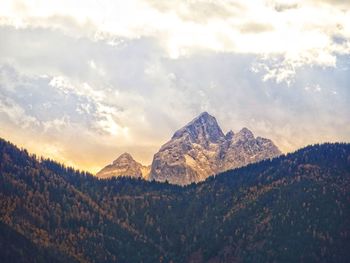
[195, 152]
[201, 149]
[124, 165]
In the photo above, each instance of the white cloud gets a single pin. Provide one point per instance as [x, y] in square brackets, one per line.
[301, 32]
[58, 124]
[98, 69]
[16, 114]
[101, 77]
[314, 88]
[64, 85]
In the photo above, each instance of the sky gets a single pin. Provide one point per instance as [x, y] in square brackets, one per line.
[83, 81]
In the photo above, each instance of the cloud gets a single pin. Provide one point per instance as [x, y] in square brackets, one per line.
[16, 113]
[198, 11]
[266, 28]
[256, 28]
[90, 84]
[339, 3]
[281, 7]
[52, 108]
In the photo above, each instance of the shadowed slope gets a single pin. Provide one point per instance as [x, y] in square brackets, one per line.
[293, 208]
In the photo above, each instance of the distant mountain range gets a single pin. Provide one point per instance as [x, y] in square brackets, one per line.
[293, 208]
[195, 152]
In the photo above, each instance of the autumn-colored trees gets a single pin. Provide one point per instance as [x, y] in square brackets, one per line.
[294, 208]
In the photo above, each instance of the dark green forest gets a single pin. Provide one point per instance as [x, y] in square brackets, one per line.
[294, 208]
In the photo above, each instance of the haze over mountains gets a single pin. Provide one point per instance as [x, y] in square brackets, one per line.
[195, 152]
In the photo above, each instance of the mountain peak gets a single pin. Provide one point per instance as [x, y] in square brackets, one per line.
[200, 149]
[124, 165]
[124, 156]
[202, 129]
[229, 135]
[245, 133]
[205, 114]
[203, 118]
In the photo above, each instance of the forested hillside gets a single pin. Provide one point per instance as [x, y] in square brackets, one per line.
[294, 208]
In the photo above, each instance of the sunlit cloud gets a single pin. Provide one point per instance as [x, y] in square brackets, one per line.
[93, 79]
[297, 32]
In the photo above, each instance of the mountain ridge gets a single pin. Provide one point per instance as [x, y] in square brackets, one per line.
[200, 149]
[293, 208]
[195, 151]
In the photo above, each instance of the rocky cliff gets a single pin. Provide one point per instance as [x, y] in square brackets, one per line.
[124, 165]
[201, 149]
[195, 152]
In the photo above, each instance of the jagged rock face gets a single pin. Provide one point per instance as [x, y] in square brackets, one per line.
[243, 149]
[200, 149]
[202, 130]
[124, 165]
[190, 155]
[195, 152]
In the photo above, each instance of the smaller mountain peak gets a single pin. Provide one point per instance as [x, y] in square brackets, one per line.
[124, 165]
[229, 135]
[123, 156]
[245, 132]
